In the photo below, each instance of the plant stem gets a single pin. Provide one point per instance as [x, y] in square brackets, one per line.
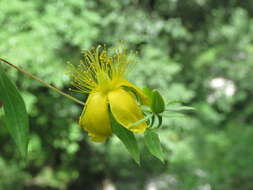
[41, 81]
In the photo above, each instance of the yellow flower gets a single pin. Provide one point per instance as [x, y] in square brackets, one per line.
[103, 77]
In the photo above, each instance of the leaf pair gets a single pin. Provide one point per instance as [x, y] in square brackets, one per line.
[128, 139]
[15, 118]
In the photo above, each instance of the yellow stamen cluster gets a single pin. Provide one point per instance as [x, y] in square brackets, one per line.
[99, 71]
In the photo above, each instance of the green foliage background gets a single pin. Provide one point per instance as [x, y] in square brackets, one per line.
[182, 45]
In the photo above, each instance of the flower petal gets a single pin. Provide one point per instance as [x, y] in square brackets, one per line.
[95, 117]
[144, 99]
[125, 110]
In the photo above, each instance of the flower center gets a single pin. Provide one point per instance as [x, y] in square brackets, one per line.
[99, 71]
[105, 83]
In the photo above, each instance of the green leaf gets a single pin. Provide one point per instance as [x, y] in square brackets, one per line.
[160, 121]
[152, 121]
[172, 115]
[180, 108]
[157, 104]
[140, 121]
[174, 102]
[148, 92]
[127, 138]
[15, 119]
[153, 144]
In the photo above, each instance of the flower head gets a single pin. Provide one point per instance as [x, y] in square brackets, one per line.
[102, 76]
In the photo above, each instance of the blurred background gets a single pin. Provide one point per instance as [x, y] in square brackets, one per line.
[198, 51]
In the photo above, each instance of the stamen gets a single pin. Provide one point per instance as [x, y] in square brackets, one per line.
[98, 69]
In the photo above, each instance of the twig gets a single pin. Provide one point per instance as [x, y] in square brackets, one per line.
[41, 81]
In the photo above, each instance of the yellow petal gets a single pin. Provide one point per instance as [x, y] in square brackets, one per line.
[97, 138]
[125, 110]
[95, 117]
[144, 99]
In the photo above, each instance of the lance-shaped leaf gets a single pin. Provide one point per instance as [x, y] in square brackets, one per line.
[180, 108]
[127, 138]
[174, 102]
[153, 144]
[173, 115]
[15, 118]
